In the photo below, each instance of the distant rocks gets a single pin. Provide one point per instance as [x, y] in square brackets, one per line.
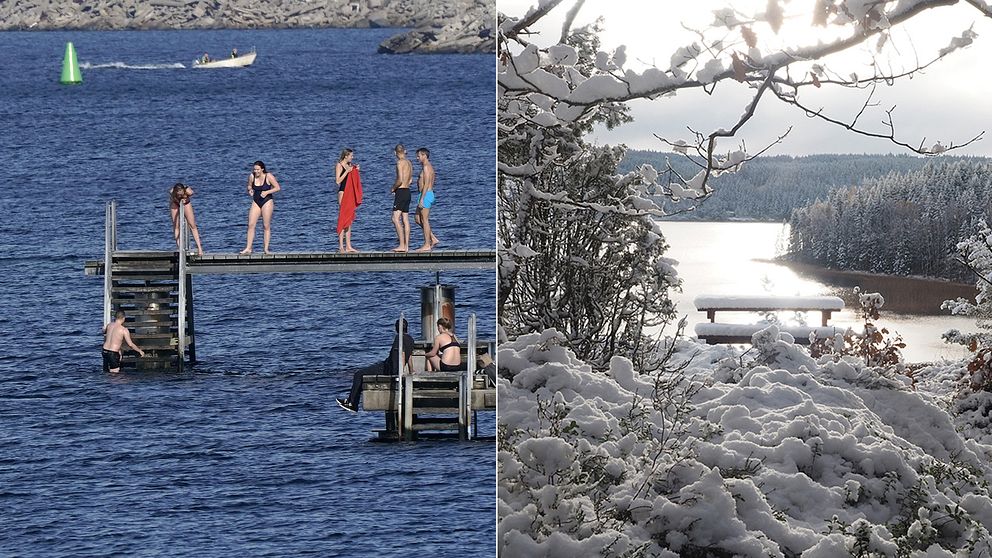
[469, 31]
[440, 25]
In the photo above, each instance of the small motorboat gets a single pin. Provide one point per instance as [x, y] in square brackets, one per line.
[232, 62]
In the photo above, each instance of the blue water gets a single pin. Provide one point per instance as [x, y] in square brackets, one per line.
[246, 453]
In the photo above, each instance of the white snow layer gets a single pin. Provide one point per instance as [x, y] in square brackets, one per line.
[704, 302]
[789, 457]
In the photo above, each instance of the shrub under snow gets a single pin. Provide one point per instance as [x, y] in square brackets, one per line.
[724, 454]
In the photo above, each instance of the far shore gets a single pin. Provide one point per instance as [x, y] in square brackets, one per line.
[903, 295]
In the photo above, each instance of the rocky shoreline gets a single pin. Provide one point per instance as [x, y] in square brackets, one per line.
[441, 26]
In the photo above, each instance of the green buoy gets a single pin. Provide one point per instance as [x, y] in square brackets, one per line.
[70, 67]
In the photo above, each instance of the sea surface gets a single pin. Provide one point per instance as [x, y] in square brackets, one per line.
[245, 453]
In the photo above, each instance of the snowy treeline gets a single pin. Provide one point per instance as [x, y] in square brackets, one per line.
[769, 188]
[903, 224]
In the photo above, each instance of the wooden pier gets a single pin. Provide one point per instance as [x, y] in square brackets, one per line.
[155, 288]
[432, 404]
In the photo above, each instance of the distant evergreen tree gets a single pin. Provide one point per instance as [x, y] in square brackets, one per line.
[769, 188]
[901, 224]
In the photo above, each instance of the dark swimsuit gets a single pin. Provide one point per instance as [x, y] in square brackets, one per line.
[256, 191]
[344, 182]
[401, 201]
[111, 360]
[449, 367]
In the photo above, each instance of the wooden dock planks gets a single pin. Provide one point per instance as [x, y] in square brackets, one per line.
[321, 262]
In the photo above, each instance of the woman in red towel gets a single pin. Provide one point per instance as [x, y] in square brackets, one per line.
[349, 197]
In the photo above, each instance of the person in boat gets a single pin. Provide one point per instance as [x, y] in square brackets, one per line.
[425, 182]
[234, 53]
[179, 199]
[349, 184]
[446, 354]
[401, 198]
[262, 185]
[114, 336]
[205, 59]
[384, 368]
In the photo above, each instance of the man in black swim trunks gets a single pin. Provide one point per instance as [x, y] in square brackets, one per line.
[384, 368]
[401, 200]
[115, 334]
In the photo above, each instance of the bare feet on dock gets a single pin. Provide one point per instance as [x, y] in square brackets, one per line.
[399, 249]
[245, 252]
[352, 251]
[424, 248]
[435, 243]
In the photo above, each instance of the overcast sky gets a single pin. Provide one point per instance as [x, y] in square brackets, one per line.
[950, 101]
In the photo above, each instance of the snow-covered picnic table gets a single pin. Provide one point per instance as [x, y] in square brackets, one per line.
[714, 332]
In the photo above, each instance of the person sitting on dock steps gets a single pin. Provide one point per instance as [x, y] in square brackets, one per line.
[349, 197]
[262, 186]
[401, 198]
[425, 183]
[446, 354]
[115, 334]
[179, 197]
[384, 368]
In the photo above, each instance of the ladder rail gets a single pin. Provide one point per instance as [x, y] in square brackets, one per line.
[401, 400]
[181, 310]
[110, 246]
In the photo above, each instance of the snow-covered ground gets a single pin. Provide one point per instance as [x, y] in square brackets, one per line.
[769, 453]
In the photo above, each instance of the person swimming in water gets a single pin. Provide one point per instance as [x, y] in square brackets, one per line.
[115, 335]
[261, 187]
[179, 197]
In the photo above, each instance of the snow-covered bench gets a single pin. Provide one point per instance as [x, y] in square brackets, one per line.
[714, 332]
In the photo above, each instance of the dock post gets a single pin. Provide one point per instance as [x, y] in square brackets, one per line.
[468, 378]
[407, 418]
[181, 310]
[189, 318]
[110, 246]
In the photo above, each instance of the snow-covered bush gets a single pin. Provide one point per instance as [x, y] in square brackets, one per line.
[975, 253]
[833, 460]
[872, 344]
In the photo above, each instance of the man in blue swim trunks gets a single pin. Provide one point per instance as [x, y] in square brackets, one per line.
[426, 185]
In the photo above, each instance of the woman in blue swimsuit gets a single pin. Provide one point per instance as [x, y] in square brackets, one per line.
[261, 186]
[446, 354]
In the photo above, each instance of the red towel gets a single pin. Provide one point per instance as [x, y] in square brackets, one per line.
[350, 201]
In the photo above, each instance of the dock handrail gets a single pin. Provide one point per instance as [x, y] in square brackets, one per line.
[110, 246]
[183, 242]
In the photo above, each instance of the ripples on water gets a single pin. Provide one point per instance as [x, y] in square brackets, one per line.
[246, 454]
